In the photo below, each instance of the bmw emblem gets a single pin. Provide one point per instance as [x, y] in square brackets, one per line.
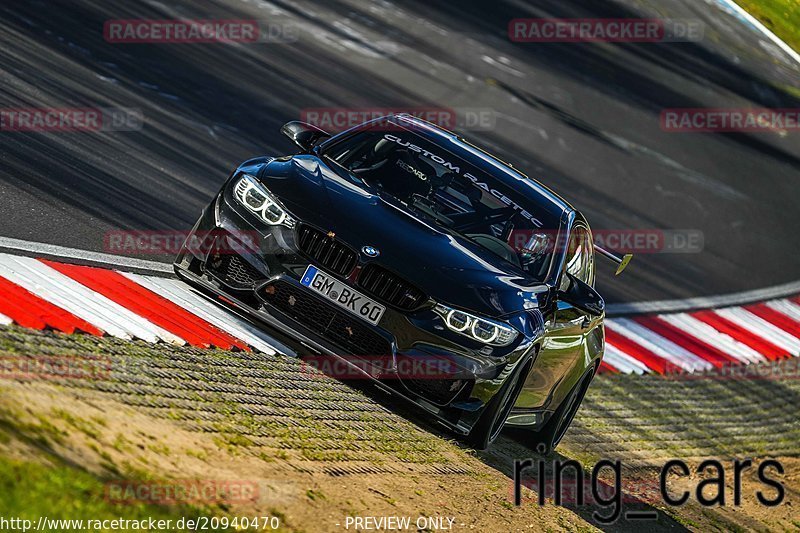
[370, 251]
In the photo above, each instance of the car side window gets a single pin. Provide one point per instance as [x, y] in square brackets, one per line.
[580, 255]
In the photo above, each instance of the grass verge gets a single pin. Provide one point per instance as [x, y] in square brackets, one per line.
[782, 17]
[321, 451]
[34, 489]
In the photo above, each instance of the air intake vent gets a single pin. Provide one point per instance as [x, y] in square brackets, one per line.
[336, 325]
[325, 251]
[390, 288]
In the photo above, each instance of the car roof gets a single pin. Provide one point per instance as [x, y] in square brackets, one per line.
[498, 169]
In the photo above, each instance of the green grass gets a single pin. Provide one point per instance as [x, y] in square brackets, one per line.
[29, 490]
[782, 17]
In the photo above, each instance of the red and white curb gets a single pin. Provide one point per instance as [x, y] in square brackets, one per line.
[705, 339]
[40, 293]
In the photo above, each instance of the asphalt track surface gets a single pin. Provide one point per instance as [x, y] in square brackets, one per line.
[582, 118]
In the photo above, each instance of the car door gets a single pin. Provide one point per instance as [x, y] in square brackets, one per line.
[564, 356]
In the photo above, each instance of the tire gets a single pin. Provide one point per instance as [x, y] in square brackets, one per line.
[494, 417]
[547, 439]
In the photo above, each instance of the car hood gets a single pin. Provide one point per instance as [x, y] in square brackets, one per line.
[450, 269]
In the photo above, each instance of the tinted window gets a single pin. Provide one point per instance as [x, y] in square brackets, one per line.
[435, 183]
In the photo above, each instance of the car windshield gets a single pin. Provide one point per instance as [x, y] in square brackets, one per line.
[437, 184]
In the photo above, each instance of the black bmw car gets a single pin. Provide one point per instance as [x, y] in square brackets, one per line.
[398, 241]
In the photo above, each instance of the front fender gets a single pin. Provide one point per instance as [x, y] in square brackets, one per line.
[550, 381]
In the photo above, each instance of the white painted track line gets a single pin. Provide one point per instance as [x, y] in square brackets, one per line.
[182, 294]
[705, 302]
[85, 255]
[4, 320]
[741, 12]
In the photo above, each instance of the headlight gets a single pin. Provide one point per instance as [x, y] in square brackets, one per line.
[257, 199]
[476, 328]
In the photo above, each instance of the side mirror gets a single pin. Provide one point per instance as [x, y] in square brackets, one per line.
[304, 135]
[582, 296]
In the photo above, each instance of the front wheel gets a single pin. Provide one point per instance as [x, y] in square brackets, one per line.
[494, 417]
[547, 438]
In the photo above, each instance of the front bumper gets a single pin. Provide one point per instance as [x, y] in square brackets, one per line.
[257, 270]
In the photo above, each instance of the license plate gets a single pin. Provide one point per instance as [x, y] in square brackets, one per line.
[342, 295]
